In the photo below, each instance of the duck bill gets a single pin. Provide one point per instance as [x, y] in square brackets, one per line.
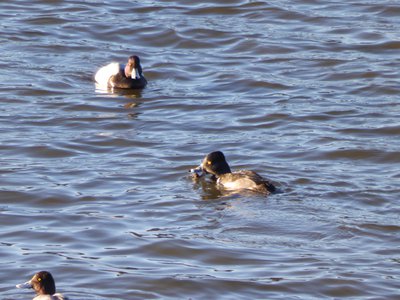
[25, 285]
[198, 171]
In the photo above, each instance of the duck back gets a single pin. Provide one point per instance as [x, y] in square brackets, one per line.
[245, 179]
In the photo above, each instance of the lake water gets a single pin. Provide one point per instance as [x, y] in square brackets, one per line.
[94, 186]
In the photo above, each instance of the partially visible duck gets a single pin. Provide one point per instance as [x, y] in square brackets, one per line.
[119, 76]
[215, 164]
[44, 286]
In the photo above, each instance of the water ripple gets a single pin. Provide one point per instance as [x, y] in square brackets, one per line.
[94, 185]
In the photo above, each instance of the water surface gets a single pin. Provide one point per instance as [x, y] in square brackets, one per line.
[94, 186]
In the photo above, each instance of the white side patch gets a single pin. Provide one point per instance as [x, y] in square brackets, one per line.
[135, 75]
[239, 184]
[103, 74]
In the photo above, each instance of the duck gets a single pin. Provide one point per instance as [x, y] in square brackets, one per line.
[115, 75]
[215, 164]
[44, 286]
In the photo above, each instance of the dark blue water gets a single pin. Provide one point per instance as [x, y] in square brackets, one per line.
[94, 186]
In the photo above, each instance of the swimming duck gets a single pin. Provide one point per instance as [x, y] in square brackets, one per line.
[119, 76]
[215, 164]
[43, 284]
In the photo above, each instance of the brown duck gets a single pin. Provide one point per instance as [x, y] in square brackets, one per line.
[216, 165]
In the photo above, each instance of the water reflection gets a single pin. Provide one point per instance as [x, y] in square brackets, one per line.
[134, 97]
[115, 92]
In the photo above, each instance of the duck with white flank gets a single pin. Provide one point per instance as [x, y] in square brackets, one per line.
[115, 75]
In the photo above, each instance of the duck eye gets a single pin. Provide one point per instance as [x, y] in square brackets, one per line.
[39, 279]
[208, 162]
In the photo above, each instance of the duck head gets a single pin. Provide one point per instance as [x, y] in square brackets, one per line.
[42, 282]
[133, 69]
[214, 163]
